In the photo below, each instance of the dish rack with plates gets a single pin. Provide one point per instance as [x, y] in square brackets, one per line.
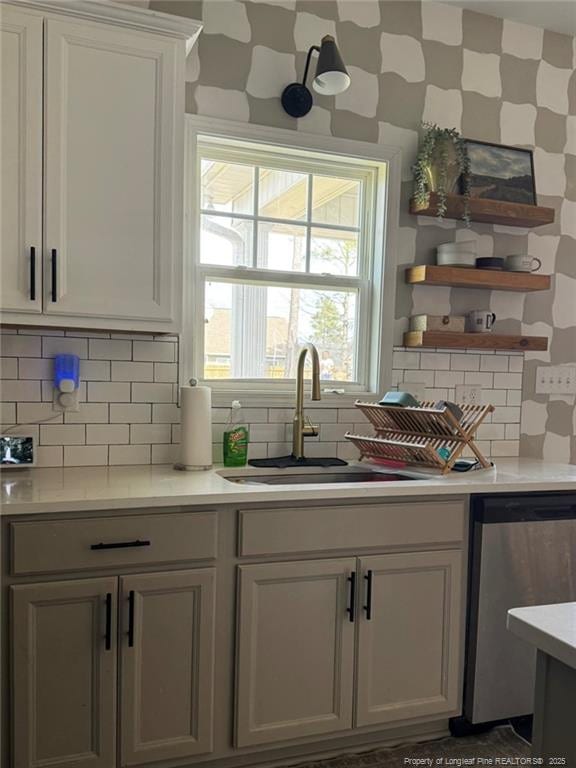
[423, 436]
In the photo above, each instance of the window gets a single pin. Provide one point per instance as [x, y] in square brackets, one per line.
[285, 244]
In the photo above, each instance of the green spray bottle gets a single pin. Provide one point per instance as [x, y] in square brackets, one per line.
[236, 436]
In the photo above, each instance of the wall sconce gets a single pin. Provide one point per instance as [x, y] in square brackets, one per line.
[331, 78]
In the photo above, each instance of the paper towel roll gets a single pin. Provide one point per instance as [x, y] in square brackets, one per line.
[196, 434]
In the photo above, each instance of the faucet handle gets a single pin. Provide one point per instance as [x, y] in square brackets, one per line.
[309, 429]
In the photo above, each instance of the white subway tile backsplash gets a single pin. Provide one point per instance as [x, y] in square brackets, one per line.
[122, 413]
[49, 456]
[21, 346]
[7, 413]
[152, 393]
[129, 454]
[165, 454]
[55, 345]
[508, 380]
[132, 417]
[110, 349]
[154, 351]
[85, 455]
[88, 413]
[405, 360]
[459, 362]
[164, 372]
[15, 390]
[129, 371]
[435, 361]
[108, 392]
[34, 412]
[150, 433]
[35, 368]
[107, 434]
[448, 378]
[166, 413]
[9, 368]
[95, 370]
[62, 434]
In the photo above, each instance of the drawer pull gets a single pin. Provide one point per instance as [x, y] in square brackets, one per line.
[351, 610]
[368, 606]
[54, 271]
[108, 634]
[131, 619]
[121, 544]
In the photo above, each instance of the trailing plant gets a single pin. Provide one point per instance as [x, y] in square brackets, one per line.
[433, 160]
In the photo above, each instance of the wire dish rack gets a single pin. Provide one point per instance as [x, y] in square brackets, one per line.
[425, 436]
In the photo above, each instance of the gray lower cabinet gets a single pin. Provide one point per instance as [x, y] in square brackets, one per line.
[297, 644]
[295, 651]
[167, 665]
[64, 673]
[409, 638]
[69, 640]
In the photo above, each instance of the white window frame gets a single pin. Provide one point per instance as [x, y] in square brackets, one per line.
[375, 329]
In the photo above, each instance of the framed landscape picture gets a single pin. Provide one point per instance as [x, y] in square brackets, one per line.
[503, 173]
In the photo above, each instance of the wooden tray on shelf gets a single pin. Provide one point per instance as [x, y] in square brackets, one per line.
[414, 436]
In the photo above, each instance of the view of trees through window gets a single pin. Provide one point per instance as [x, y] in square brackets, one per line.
[296, 237]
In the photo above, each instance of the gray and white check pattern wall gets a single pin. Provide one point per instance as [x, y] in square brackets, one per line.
[493, 79]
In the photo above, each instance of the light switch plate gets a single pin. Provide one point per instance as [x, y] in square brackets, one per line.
[556, 380]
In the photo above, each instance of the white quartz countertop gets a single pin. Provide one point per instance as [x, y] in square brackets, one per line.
[551, 628]
[76, 489]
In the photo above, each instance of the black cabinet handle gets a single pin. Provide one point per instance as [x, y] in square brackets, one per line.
[108, 635]
[368, 606]
[131, 598]
[32, 273]
[121, 544]
[351, 610]
[54, 268]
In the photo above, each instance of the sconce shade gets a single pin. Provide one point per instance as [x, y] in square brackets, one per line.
[331, 74]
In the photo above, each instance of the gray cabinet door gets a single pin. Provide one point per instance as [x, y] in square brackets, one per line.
[64, 674]
[295, 651]
[409, 650]
[167, 665]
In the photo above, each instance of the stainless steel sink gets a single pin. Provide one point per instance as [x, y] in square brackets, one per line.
[286, 477]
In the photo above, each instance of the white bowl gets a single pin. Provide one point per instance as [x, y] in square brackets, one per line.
[456, 259]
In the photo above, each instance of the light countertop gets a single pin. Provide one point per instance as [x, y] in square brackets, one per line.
[551, 628]
[76, 489]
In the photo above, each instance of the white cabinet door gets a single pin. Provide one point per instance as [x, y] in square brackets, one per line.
[21, 160]
[409, 653]
[296, 651]
[113, 156]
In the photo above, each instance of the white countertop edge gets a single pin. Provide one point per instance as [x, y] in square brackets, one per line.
[40, 491]
[551, 628]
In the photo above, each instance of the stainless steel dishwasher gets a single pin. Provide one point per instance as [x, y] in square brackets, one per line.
[523, 552]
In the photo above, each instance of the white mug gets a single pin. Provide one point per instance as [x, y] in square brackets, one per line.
[520, 262]
[481, 321]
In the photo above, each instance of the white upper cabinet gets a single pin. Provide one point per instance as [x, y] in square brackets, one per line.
[113, 117]
[21, 160]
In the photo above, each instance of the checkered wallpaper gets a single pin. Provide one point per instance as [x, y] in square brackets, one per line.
[493, 79]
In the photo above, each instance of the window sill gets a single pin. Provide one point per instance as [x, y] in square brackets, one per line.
[222, 398]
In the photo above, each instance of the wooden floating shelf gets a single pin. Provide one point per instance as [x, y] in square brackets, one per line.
[488, 211]
[451, 340]
[460, 277]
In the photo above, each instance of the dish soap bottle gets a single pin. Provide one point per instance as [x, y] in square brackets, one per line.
[235, 438]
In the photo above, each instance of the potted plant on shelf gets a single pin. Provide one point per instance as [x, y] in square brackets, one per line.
[443, 167]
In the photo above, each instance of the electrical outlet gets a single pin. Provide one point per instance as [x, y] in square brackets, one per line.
[65, 401]
[556, 380]
[468, 394]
